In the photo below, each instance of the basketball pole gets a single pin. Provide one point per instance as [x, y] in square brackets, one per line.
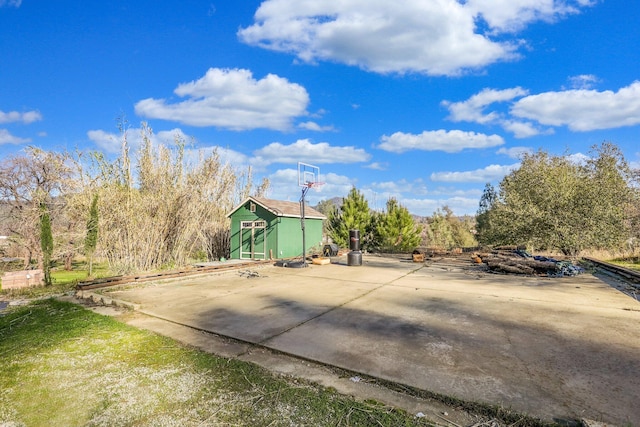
[304, 243]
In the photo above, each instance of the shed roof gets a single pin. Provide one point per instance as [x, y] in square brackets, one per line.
[281, 208]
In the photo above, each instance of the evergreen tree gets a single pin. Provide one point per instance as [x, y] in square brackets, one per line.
[483, 216]
[396, 230]
[354, 214]
[46, 242]
[91, 239]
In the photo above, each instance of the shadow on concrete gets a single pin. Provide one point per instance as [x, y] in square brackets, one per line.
[485, 338]
[550, 364]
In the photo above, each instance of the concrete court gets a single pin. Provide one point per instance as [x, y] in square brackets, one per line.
[554, 348]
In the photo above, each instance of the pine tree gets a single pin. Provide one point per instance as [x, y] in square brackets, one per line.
[354, 214]
[395, 230]
[46, 242]
[91, 239]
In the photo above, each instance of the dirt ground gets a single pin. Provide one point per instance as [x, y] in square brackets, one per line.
[555, 348]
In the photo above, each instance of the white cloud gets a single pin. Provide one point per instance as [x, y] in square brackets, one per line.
[515, 152]
[456, 192]
[15, 116]
[395, 188]
[427, 206]
[313, 126]
[431, 37]
[583, 110]
[583, 81]
[513, 15]
[284, 186]
[490, 173]
[440, 140]
[232, 99]
[304, 150]
[378, 166]
[472, 110]
[436, 38]
[169, 137]
[109, 142]
[7, 138]
[521, 129]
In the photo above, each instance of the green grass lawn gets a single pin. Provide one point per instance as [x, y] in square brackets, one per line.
[63, 365]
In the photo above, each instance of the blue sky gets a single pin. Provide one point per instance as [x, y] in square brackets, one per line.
[421, 100]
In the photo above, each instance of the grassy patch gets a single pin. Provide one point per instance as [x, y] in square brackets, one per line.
[63, 281]
[63, 365]
[632, 263]
[79, 272]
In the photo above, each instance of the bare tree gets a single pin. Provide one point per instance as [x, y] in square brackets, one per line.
[28, 182]
[161, 206]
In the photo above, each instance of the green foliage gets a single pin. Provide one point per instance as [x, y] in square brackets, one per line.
[447, 231]
[483, 216]
[46, 242]
[552, 202]
[441, 231]
[91, 239]
[395, 230]
[354, 214]
[325, 207]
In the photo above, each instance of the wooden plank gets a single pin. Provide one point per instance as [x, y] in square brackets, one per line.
[121, 280]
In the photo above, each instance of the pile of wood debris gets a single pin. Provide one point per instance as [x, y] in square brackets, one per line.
[520, 262]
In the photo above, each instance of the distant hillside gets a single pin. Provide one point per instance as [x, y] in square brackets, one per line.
[335, 201]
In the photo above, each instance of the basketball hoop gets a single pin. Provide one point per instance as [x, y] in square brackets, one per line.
[315, 185]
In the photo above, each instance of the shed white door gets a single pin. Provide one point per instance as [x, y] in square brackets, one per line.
[253, 239]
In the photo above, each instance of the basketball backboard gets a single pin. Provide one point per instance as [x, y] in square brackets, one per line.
[308, 175]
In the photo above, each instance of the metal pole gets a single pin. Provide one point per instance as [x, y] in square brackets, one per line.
[304, 243]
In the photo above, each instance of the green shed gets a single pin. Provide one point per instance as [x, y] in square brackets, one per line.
[270, 229]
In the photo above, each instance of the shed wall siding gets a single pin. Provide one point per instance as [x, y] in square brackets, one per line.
[290, 236]
[261, 214]
[283, 234]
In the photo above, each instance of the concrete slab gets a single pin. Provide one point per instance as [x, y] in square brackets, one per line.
[563, 348]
